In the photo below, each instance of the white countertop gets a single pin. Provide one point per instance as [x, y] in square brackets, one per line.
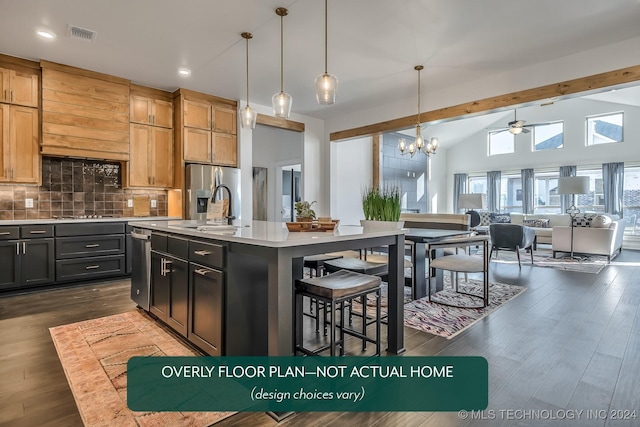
[83, 220]
[264, 233]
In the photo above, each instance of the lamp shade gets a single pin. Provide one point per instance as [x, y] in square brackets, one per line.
[472, 201]
[573, 185]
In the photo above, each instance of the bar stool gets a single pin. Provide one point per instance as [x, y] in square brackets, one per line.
[334, 290]
[315, 263]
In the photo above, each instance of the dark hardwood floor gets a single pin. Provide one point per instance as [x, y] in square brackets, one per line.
[571, 341]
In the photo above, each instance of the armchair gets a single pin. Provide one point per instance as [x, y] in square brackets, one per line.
[512, 237]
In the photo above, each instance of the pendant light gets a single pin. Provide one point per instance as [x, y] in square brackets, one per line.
[248, 115]
[326, 84]
[418, 145]
[281, 100]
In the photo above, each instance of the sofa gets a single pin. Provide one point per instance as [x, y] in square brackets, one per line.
[542, 223]
[594, 238]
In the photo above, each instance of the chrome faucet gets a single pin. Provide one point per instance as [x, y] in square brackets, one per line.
[229, 216]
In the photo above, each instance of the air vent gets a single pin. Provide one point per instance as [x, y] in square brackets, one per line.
[81, 33]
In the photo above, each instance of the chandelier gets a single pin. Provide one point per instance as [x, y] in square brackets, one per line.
[418, 144]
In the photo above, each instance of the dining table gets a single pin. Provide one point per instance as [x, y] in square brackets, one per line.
[419, 239]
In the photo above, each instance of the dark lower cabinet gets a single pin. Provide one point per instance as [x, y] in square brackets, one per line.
[28, 262]
[206, 302]
[170, 290]
[10, 258]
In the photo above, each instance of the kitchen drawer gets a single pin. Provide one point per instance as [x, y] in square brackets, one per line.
[170, 244]
[82, 246]
[89, 229]
[209, 254]
[159, 241]
[89, 268]
[7, 233]
[36, 231]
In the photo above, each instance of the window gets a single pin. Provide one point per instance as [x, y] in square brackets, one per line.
[592, 202]
[631, 200]
[477, 184]
[511, 193]
[548, 136]
[501, 142]
[604, 128]
[546, 196]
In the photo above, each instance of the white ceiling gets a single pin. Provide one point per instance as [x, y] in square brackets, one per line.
[373, 44]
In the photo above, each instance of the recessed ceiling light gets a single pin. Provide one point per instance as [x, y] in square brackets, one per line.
[184, 71]
[46, 34]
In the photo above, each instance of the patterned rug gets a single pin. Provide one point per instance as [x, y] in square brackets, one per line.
[448, 321]
[443, 320]
[94, 355]
[592, 264]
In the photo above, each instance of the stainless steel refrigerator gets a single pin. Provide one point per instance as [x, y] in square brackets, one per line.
[201, 181]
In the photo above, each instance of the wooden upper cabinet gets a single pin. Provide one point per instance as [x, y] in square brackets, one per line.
[19, 87]
[224, 149]
[162, 157]
[197, 145]
[5, 154]
[151, 157]
[149, 111]
[197, 114]
[224, 120]
[19, 145]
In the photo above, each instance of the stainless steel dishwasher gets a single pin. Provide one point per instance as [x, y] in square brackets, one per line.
[141, 268]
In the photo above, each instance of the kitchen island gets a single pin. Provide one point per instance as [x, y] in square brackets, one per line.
[255, 266]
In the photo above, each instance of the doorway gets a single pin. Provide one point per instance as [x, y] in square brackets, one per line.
[291, 176]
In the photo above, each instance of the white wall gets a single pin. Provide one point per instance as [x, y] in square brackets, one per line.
[437, 181]
[351, 171]
[471, 156]
[315, 153]
[272, 149]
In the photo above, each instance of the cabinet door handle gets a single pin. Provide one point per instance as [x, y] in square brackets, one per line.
[5, 233]
[150, 119]
[17, 248]
[24, 248]
[91, 267]
[167, 270]
[37, 232]
[5, 95]
[162, 261]
[12, 96]
[202, 253]
[11, 173]
[92, 245]
[153, 119]
[202, 271]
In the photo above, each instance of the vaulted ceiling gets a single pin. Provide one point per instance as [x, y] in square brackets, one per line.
[373, 44]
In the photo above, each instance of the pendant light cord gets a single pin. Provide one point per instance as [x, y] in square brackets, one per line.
[281, 53]
[247, 40]
[418, 98]
[326, 35]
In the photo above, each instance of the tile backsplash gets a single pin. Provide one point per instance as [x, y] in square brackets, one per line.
[72, 187]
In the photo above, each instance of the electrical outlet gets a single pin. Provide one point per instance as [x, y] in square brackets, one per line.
[28, 203]
[154, 203]
[130, 203]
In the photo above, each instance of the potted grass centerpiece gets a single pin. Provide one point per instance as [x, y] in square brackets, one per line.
[381, 208]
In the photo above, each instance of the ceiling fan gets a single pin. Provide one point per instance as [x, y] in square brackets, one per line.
[517, 126]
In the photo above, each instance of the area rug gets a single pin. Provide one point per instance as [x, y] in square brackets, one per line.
[442, 320]
[592, 264]
[448, 321]
[94, 356]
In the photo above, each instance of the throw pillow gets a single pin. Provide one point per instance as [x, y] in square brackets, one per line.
[536, 223]
[583, 220]
[601, 221]
[485, 218]
[500, 218]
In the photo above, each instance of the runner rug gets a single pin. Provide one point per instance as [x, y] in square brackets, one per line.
[442, 320]
[94, 356]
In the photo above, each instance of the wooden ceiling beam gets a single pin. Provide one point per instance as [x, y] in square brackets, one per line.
[556, 90]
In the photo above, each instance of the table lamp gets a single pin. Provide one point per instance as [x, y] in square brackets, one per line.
[573, 185]
[470, 202]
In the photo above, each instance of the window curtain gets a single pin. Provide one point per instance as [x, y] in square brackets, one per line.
[527, 190]
[613, 182]
[565, 199]
[493, 190]
[459, 187]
